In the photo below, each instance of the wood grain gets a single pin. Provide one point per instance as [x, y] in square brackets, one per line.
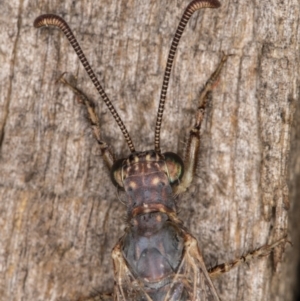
[59, 214]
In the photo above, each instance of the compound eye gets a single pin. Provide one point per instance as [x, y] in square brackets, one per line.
[175, 167]
[116, 174]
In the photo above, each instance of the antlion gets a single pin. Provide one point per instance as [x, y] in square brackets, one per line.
[157, 258]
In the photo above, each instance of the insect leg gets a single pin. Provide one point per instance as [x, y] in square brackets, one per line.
[257, 253]
[94, 120]
[192, 150]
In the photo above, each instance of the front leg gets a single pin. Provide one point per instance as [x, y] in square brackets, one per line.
[193, 144]
[106, 152]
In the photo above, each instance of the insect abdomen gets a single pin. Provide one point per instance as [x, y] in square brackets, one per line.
[153, 248]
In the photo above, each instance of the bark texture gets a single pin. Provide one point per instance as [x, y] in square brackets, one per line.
[60, 215]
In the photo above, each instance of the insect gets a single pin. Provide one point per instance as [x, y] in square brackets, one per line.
[157, 258]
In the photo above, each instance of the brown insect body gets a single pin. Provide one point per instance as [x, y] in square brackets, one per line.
[157, 258]
[153, 244]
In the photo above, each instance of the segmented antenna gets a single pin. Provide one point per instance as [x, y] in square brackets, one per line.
[192, 7]
[54, 20]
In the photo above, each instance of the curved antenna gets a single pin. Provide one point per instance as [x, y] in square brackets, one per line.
[191, 8]
[54, 20]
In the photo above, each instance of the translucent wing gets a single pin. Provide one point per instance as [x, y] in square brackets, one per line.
[191, 281]
[193, 273]
[127, 287]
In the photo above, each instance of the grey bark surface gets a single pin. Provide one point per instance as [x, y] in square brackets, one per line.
[60, 215]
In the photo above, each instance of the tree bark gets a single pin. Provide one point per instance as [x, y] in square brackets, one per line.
[60, 215]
